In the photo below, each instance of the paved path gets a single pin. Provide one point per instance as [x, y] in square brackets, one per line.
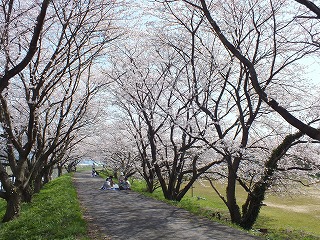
[127, 215]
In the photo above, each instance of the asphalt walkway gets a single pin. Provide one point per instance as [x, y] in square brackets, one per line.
[127, 215]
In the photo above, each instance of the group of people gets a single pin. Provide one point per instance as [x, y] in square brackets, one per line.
[124, 184]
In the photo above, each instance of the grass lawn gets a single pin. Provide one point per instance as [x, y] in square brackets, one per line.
[299, 213]
[294, 217]
[53, 214]
[296, 212]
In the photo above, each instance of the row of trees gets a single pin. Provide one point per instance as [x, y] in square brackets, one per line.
[199, 89]
[218, 91]
[48, 78]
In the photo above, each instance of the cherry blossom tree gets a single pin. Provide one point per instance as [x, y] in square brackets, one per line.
[118, 153]
[150, 89]
[14, 59]
[140, 147]
[223, 91]
[45, 108]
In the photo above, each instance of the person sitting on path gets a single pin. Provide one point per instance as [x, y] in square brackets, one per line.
[94, 173]
[108, 184]
[111, 181]
[125, 184]
[121, 178]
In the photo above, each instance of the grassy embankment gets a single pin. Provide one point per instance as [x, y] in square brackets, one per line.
[294, 217]
[54, 213]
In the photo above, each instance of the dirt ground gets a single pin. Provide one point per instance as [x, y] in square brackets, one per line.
[127, 215]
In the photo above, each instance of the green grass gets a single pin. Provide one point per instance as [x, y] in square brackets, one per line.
[288, 213]
[54, 213]
[294, 217]
[292, 214]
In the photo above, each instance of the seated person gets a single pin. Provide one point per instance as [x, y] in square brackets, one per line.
[121, 178]
[108, 184]
[115, 187]
[125, 184]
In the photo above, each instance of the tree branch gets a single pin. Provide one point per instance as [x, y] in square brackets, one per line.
[312, 7]
[294, 168]
[286, 115]
[4, 80]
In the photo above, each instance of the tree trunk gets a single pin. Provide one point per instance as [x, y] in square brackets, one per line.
[26, 194]
[150, 185]
[232, 205]
[59, 170]
[13, 205]
[254, 201]
[148, 175]
[47, 175]
[163, 184]
[251, 208]
[37, 183]
[168, 187]
[186, 188]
